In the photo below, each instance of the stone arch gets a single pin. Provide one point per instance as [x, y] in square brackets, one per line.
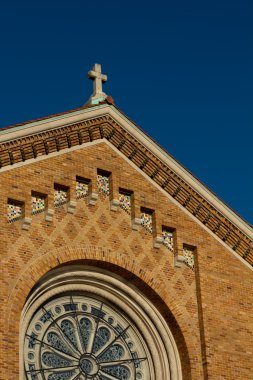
[103, 258]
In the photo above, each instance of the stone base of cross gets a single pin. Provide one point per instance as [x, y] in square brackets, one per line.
[98, 79]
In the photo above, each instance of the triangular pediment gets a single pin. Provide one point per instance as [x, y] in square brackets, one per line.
[39, 139]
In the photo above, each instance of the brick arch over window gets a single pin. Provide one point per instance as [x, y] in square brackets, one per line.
[151, 293]
[128, 269]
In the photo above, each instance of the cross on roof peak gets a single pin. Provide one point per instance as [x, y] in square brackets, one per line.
[98, 79]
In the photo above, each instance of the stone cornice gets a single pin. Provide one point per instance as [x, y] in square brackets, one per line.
[45, 137]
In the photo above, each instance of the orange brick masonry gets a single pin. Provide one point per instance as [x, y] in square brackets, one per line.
[209, 311]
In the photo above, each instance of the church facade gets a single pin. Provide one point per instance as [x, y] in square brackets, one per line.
[116, 263]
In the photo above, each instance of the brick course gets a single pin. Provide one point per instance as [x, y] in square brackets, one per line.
[209, 311]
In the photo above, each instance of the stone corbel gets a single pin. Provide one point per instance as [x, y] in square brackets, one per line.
[71, 207]
[114, 204]
[179, 261]
[26, 222]
[49, 215]
[157, 242]
[93, 197]
[136, 223]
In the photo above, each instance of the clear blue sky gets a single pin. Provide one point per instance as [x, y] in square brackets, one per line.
[182, 70]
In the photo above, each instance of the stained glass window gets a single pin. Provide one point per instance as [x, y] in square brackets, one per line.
[79, 337]
[14, 210]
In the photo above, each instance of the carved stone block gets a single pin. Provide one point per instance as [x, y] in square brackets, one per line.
[179, 261]
[71, 207]
[26, 222]
[93, 197]
[136, 223]
[49, 213]
[114, 205]
[157, 242]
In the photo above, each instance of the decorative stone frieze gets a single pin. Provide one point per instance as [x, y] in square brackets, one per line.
[189, 255]
[38, 203]
[103, 184]
[167, 235]
[60, 195]
[125, 202]
[82, 188]
[15, 210]
[146, 221]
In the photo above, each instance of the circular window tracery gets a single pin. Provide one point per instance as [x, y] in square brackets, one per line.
[79, 337]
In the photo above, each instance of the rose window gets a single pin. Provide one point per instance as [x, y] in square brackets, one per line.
[76, 337]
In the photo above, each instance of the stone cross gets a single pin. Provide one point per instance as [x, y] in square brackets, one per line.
[98, 78]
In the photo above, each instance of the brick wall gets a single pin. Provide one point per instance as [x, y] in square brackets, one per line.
[209, 310]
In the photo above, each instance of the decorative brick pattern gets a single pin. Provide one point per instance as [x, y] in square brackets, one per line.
[125, 202]
[189, 257]
[103, 184]
[60, 196]
[168, 239]
[38, 203]
[66, 137]
[82, 188]
[94, 235]
[146, 221]
[14, 211]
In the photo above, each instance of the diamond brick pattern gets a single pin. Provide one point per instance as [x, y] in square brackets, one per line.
[48, 245]
[106, 229]
[167, 179]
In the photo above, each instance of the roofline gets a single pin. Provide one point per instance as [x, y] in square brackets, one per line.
[76, 115]
[183, 166]
[188, 174]
[56, 116]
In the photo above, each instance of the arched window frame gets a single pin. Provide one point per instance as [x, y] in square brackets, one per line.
[164, 362]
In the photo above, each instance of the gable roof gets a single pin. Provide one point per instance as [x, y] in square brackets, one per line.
[22, 143]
